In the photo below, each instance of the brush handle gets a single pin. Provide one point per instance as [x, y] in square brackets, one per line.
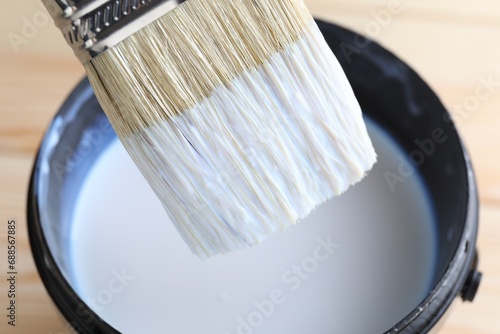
[91, 27]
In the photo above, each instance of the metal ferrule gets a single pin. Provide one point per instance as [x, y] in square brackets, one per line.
[93, 26]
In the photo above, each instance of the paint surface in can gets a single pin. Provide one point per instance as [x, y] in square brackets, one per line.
[359, 264]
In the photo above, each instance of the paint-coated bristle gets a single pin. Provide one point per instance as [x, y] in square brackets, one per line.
[238, 115]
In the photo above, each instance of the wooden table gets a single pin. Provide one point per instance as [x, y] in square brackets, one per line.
[451, 43]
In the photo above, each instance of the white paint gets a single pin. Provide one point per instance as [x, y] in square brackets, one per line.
[372, 271]
[259, 153]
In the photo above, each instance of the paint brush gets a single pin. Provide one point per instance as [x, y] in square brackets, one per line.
[236, 111]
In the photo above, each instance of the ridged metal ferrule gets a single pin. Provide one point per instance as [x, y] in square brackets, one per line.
[93, 26]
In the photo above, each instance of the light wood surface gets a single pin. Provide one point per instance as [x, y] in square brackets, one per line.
[451, 43]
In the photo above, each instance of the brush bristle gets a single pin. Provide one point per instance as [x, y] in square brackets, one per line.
[238, 115]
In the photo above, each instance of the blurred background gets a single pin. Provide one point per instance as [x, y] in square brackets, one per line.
[453, 44]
